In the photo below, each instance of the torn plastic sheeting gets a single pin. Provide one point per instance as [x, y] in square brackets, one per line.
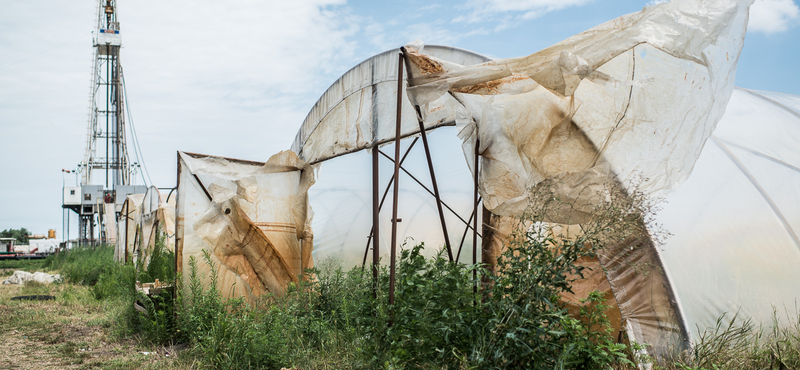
[353, 114]
[242, 247]
[110, 221]
[166, 218]
[645, 296]
[140, 219]
[253, 218]
[635, 97]
[605, 97]
[149, 222]
[128, 222]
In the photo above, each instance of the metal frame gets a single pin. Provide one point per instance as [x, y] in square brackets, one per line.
[376, 211]
[394, 182]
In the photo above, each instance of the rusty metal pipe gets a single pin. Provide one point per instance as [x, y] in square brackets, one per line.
[375, 220]
[396, 192]
[433, 182]
[475, 219]
[383, 198]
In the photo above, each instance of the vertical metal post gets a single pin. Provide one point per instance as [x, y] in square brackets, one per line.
[108, 92]
[435, 186]
[475, 211]
[127, 217]
[91, 225]
[488, 257]
[383, 198]
[395, 194]
[376, 210]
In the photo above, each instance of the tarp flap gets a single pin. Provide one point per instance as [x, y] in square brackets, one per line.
[252, 218]
[636, 97]
[632, 100]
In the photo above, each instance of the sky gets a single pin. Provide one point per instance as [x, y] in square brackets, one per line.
[236, 78]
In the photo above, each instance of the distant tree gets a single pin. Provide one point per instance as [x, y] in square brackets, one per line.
[20, 234]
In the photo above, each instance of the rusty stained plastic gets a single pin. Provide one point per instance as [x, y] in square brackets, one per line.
[600, 104]
[632, 101]
[252, 218]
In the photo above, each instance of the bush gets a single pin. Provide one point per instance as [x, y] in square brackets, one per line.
[437, 320]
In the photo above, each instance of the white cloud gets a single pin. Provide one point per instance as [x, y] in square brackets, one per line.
[772, 16]
[233, 78]
[483, 10]
[386, 35]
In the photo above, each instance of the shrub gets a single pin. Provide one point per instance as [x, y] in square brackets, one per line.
[437, 319]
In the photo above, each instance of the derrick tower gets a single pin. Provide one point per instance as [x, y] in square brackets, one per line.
[105, 172]
[106, 154]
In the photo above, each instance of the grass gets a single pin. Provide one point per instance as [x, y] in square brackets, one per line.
[330, 324]
[75, 331]
[333, 322]
[87, 326]
[736, 343]
[7, 267]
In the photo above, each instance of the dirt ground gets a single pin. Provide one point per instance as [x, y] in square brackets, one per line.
[72, 331]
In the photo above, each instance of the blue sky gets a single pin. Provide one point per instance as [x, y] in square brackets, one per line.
[236, 78]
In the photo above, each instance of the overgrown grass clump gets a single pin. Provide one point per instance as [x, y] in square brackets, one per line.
[94, 267]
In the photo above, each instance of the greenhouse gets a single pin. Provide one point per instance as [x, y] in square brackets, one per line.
[646, 101]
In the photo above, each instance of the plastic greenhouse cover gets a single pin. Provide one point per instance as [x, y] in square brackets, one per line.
[127, 229]
[352, 114]
[252, 218]
[735, 221]
[342, 201]
[145, 214]
[634, 98]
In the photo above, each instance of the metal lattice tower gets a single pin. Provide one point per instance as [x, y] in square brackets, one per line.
[105, 137]
[105, 170]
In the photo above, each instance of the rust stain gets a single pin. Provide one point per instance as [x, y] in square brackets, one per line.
[426, 65]
[490, 87]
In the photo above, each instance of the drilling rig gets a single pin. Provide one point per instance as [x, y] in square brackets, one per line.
[105, 172]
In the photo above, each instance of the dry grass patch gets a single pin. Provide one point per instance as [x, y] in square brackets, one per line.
[73, 331]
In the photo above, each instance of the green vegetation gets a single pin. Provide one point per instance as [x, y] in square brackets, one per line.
[7, 267]
[20, 234]
[738, 344]
[75, 330]
[517, 320]
[445, 315]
